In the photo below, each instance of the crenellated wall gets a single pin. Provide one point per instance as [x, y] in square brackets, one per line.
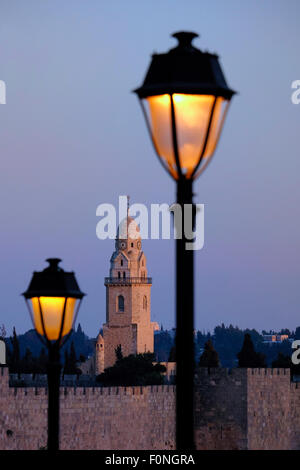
[295, 416]
[90, 418]
[255, 409]
[269, 409]
[237, 409]
[221, 409]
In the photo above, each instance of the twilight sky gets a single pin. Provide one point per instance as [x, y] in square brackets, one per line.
[72, 136]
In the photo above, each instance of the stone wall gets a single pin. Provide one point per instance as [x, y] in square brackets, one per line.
[237, 409]
[91, 418]
[221, 409]
[295, 416]
[268, 409]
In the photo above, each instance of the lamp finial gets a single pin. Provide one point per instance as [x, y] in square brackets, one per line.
[185, 38]
[53, 264]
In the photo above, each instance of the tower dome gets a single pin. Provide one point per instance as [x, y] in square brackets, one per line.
[128, 228]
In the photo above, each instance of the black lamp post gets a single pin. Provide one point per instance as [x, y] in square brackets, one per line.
[53, 299]
[184, 99]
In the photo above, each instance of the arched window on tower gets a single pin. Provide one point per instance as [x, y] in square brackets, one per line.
[145, 302]
[120, 303]
[121, 262]
[119, 275]
[124, 274]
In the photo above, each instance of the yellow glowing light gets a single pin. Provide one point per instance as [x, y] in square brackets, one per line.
[192, 116]
[52, 311]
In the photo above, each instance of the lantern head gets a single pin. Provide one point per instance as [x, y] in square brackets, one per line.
[184, 99]
[53, 298]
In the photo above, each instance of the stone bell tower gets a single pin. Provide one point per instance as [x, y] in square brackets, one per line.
[128, 299]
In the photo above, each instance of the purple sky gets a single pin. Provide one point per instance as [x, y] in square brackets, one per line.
[72, 136]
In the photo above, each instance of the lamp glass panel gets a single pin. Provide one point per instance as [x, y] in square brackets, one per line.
[192, 115]
[158, 109]
[52, 311]
[217, 122]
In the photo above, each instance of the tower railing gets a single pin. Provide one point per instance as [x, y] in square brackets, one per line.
[127, 280]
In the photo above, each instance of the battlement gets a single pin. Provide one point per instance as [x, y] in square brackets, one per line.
[117, 391]
[4, 371]
[240, 372]
[234, 409]
[269, 371]
[31, 391]
[219, 372]
[202, 373]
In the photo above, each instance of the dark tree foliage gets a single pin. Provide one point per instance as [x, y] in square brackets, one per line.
[27, 363]
[82, 358]
[172, 355]
[72, 357]
[285, 331]
[82, 343]
[227, 340]
[248, 357]
[297, 333]
[163, 343]
[118, 352]
[66, 361]
[282, 361]
[14, 357]
[210, 357]
[2, 332]
[70, 366]
[42, 362]
[285, 362]
[133, 370]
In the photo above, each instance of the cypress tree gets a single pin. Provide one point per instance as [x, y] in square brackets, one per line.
[172, 355]
[42, 362]
[248, 357]
[210, 357]
[15, 356]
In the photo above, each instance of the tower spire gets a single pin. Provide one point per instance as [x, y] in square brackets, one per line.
[128, 197]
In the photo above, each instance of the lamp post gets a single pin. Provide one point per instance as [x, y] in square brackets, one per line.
[53, 299]
[184, 99]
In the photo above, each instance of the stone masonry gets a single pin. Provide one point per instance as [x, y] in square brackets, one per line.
[128, 300]
[241, 409]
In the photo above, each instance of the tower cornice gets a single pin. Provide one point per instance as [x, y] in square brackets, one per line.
[127, 281]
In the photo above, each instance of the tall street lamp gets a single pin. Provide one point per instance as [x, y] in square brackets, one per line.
[184, 99]
[53, 299]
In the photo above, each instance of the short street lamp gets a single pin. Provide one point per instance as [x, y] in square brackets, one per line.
[53, 299]
[184, 99]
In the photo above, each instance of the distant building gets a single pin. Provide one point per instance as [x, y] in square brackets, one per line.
[275, 338]
[128, 303]
[170, 373]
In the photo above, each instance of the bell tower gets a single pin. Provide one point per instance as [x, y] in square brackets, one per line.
[128, 297]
